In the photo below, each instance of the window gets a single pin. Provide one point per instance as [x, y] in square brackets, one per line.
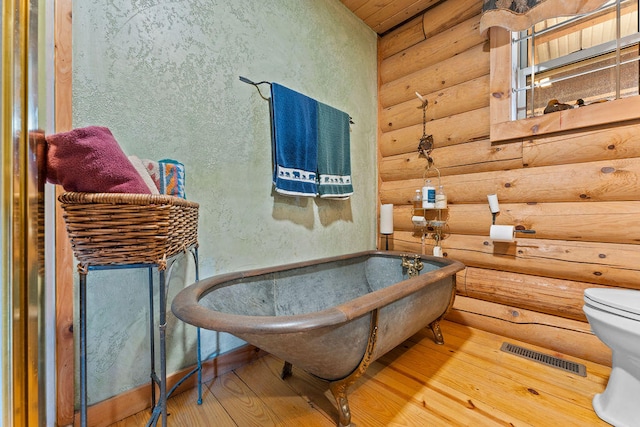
[590, 57]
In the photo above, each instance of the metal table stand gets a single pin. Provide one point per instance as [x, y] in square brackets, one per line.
[165, 267]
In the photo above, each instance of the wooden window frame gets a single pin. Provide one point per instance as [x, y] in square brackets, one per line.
[504, 129]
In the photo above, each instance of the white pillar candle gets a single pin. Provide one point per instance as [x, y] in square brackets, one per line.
[493, 203]
[386, 219]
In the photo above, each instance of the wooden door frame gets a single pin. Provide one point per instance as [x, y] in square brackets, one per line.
[65, 354]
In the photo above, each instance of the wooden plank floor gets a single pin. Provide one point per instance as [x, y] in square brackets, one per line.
[466, 382]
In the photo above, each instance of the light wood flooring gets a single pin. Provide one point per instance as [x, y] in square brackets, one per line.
[467, 381]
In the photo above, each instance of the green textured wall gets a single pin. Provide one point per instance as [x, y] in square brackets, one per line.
[163, 76]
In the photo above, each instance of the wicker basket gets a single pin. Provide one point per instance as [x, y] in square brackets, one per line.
[114, 228]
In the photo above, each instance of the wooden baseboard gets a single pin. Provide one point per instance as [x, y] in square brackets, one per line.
[112, 410]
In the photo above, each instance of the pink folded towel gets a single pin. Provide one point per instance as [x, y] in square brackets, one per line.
[153, 168]
[146, 177]
[90, 160]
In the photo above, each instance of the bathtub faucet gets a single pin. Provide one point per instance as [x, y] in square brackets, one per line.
[413, 267]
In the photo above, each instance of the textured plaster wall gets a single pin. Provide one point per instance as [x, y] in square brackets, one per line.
[163, 76]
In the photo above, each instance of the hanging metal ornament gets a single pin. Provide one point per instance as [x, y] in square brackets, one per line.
[425, 146]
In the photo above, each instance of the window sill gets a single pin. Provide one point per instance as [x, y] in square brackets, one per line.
[605, 113]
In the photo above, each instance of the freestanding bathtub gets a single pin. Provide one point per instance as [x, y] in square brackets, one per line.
[331, 317]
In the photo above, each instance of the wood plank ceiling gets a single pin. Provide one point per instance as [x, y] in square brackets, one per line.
[384, 15]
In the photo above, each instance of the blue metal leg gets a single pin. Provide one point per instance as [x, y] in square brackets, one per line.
[163, 352]
[194, 252]
[199, 368]
[83, 346]
[152, 350]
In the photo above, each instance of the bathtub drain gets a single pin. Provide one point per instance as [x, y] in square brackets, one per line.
[565, 365]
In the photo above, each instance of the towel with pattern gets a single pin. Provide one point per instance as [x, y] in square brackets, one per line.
[153, 168]
[168, 175]
[172, 178]
[146, 176]
[294, 127]
[334, 153]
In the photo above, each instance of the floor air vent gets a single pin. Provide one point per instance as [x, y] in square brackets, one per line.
[565, 365]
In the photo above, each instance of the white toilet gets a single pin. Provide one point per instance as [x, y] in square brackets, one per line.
[614, 316]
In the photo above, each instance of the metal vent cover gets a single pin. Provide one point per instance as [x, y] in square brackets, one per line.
[565, 365]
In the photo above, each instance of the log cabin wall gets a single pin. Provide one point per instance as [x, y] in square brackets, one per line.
[577, 189]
